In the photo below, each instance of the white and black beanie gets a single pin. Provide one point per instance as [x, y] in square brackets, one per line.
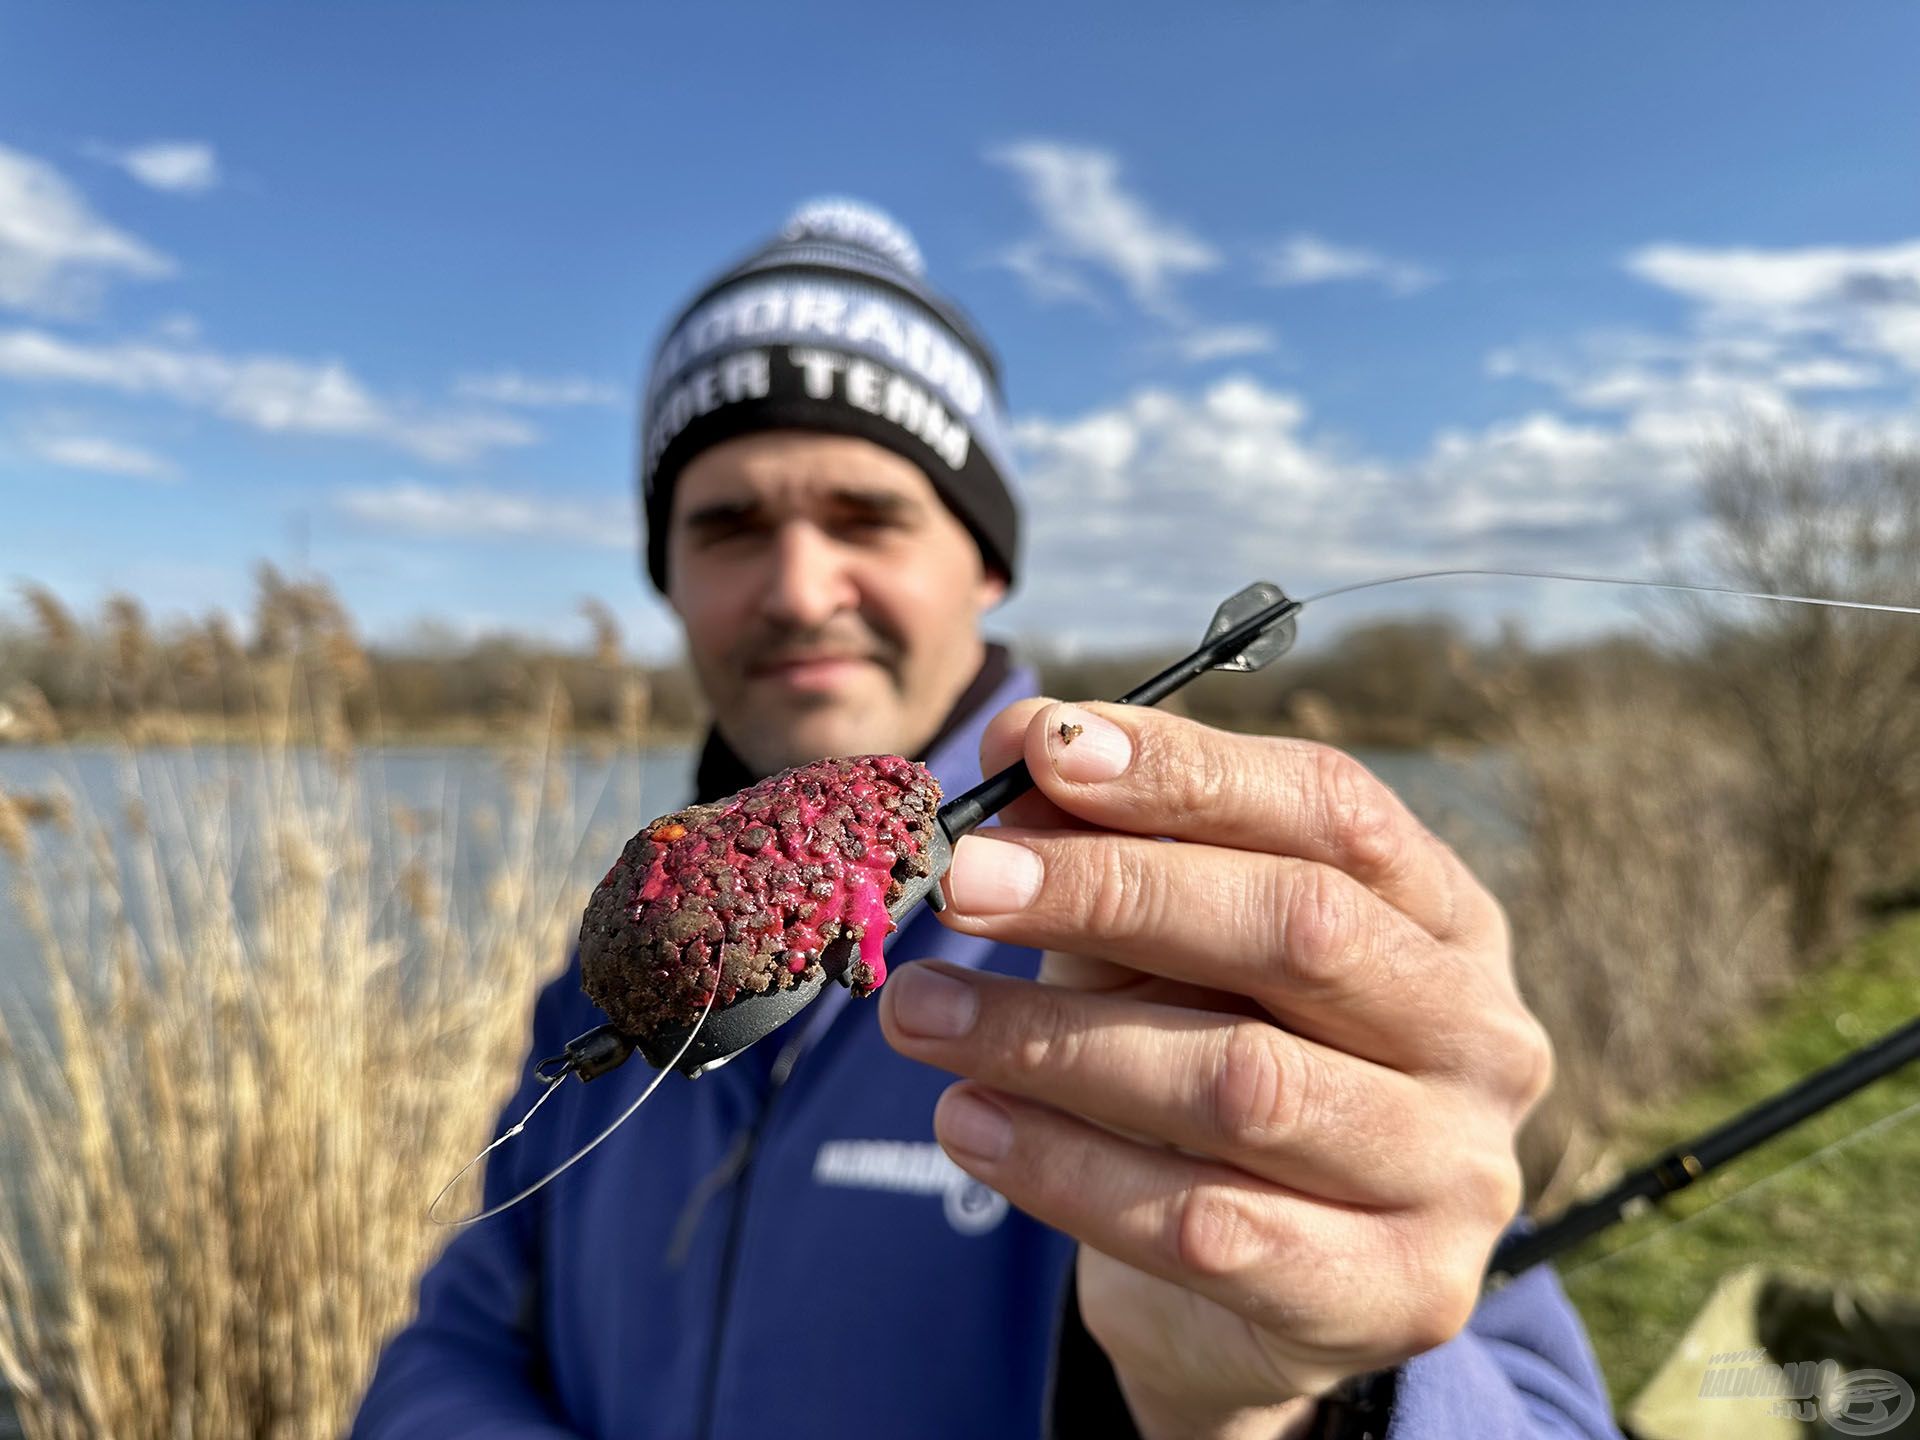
[832, 326]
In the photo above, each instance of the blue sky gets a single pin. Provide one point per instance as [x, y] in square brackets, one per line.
[1309, 291]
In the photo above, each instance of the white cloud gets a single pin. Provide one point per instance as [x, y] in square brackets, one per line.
[453, 439]
[56, 254]
[1093, 226]
[273, 393]
[179, 327]
[179, 167]
[1863, 299]
[1828, 374]
[1775, 281]
[1145, 511]
[101, 455]
[1769, 334]
[1222, 342]
[1141, 509]
[1310, 260]
[1090, 218]
[468, 514]
[1540, 490]
[1709, 370]
[1047, 278]
[510, 387]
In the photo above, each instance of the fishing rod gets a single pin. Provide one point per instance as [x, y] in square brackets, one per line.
[1683, 1164]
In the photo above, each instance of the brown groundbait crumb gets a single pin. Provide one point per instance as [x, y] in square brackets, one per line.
[747, 892]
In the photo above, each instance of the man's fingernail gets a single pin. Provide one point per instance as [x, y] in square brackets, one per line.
[933, 1002]
[993, 877]
[975, 1126]
[1084, 747]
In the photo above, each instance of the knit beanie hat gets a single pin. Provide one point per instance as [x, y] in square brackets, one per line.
[832, 326]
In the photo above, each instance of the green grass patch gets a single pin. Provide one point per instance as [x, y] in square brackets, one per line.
[1850, 1217]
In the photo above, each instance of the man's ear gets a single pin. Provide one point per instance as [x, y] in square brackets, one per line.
[993, 589]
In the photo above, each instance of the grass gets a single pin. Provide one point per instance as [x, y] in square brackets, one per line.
[1848, 1217]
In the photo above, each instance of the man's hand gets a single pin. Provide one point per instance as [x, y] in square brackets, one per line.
[1271, 1076]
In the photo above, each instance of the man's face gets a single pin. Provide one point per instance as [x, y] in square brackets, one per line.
[832, 602]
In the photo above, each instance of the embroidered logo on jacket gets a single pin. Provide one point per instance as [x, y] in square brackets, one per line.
[908, 1167]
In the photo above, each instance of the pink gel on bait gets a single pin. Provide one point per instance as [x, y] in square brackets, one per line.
[746, 893]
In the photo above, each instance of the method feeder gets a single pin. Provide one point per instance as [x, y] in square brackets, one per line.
[1249, 631]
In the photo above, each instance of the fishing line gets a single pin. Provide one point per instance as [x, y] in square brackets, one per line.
[553, 1085]
[1611, 580]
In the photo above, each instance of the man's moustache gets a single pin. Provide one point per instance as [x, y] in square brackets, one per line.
[789, 648]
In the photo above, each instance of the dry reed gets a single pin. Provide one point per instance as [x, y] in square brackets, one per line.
[265, 1047]
[1645, 923]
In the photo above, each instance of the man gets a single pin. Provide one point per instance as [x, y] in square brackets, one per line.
[1243, 1131]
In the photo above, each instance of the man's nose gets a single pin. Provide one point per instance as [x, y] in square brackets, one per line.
[807, 581]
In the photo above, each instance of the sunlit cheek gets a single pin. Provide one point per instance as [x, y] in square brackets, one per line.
[932, 616]
[715, 602]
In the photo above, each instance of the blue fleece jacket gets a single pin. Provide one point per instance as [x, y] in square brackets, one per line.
[781, 1248]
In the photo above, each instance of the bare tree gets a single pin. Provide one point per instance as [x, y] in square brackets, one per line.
[1823, 699]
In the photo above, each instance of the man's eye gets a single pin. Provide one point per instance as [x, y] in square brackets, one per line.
[728, 532]
[871, 524]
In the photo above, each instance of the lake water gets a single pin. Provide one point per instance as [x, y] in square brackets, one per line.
[460, 792]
